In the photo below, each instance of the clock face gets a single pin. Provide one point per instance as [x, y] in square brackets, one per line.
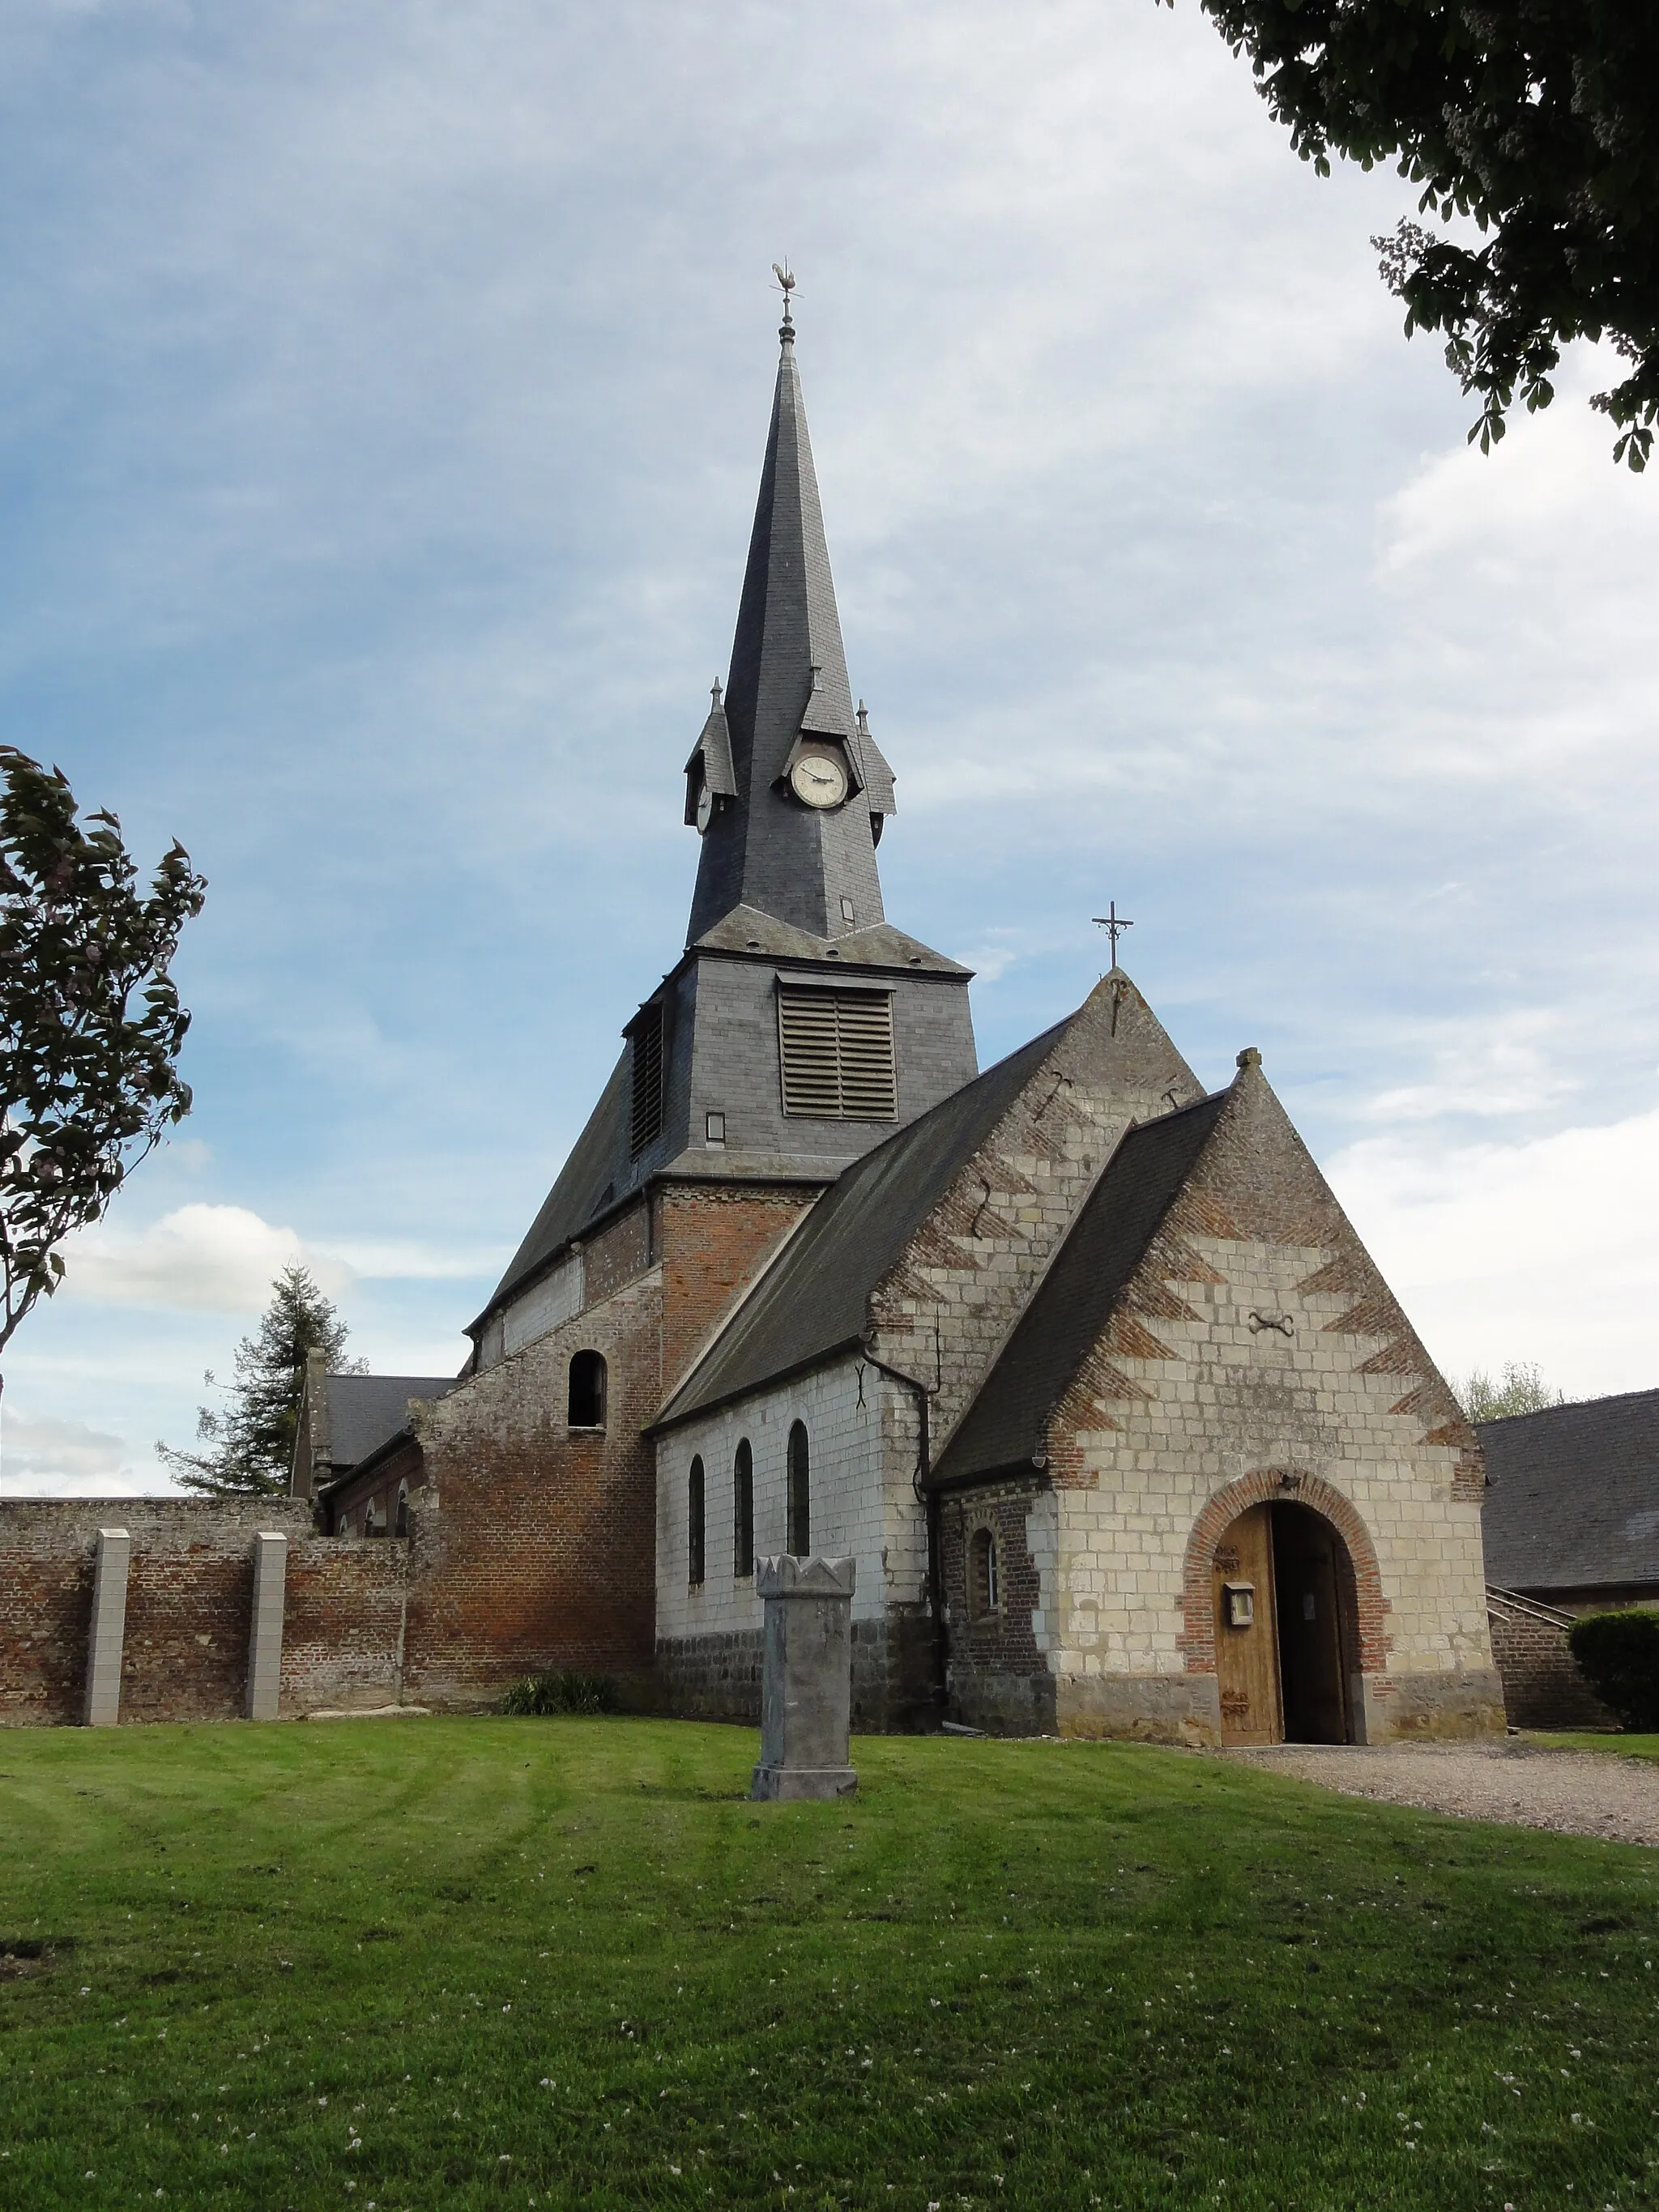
[705, 810]
[818, 780]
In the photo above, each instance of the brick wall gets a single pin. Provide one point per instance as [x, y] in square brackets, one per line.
[998, 1673]
[1544, 1686]
[189, 1594]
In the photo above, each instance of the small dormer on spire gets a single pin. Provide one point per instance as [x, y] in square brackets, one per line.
[709, 781]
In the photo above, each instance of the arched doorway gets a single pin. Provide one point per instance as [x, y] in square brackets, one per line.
[1287, 1643]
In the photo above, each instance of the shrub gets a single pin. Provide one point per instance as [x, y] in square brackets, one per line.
[562, 1690]
[1620, 1654]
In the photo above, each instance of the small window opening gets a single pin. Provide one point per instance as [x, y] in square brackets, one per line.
[587, 1391]
[984, 1575]
[402, 1508]
[645, 1119]
[742, 1512]
[799, 1500]
[693, 1520]
[846, 908]
[715, 1128]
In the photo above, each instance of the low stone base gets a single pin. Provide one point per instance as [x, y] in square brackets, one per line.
[718, 1677]
[1412, 1708]
[1173, 1709]
[780, 1785]
[1003, 1702]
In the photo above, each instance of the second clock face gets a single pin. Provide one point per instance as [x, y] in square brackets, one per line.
[818, 780]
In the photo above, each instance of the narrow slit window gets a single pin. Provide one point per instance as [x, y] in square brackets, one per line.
[693, 1522]
[646, 1110]
[984, 1575]
[742, 1512]
[835, 1049]
[587, 1391]
[798, 1504]
[402, 1508]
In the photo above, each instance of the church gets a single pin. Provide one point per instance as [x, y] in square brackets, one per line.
[1079, 1361]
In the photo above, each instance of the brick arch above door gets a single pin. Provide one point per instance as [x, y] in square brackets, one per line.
[1275, 1485]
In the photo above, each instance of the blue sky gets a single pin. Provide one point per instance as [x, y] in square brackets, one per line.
[384, 388]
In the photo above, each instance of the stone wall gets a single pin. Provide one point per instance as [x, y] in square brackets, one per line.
[1257, 1352]
[863, 1436]
[998, 1671]
[943, 1311]
[190, 1584]
[1544, 1686]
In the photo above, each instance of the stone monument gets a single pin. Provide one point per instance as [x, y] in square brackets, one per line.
[806, 1686]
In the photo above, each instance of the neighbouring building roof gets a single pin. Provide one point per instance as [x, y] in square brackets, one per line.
[1574, 1495]
[1006, 1424]
[813, 1301]
[366, 1411]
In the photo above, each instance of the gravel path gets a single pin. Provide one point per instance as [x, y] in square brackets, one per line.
[1582, 1793]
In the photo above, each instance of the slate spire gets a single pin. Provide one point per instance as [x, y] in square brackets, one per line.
[788, 693]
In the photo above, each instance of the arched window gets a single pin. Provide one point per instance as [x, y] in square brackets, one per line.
[693, 1520]
[799, 1514]
[587, 1390]
[742, 1512]
[402, 1508]
[984, 1575]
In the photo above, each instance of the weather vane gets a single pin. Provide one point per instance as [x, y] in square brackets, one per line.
[1114, 924]
[785, 285]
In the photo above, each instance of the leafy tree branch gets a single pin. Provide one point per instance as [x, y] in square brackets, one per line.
[90, 1022]
[1536, 119]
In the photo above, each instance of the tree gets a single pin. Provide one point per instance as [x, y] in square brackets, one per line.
[1523, 1390]
[251, 1441]
[90, 1022]
[1538, 119]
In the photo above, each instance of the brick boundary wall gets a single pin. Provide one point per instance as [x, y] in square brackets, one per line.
[189, 1590]
[1266, 1486]
[1544, 1685]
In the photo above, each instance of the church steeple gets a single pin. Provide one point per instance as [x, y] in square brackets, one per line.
[788, 698]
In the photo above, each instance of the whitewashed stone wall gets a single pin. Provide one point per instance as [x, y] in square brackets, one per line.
[862, 1456]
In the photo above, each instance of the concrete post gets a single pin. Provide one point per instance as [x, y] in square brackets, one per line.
[109, 1628]
[264, 1641]
[806, 1687]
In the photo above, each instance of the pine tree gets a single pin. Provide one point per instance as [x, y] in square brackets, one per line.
[250, 1443]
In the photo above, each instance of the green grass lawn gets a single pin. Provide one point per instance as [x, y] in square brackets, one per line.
[1627, 1747]
[458, 1963]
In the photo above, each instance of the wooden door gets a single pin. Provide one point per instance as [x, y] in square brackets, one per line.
[1311, 1672]
[1247, 1650]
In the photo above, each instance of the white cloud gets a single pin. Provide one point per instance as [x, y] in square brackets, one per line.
[202, 1259]
[1541, 1251]
[223, 1259]
[42, 1457]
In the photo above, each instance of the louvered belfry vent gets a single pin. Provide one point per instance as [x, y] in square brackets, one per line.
[836, 1049]
[645, 1119]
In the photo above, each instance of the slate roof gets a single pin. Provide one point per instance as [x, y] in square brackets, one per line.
[1005, 1427]
[1574, 1495]
[789, 681]
[813, 1301]
[366, 1411]
[745, 929]
[580, 1190]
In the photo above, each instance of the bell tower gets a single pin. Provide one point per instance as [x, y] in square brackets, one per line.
[797, 1028]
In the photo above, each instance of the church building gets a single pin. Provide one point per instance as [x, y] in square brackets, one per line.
[1079, 1360]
